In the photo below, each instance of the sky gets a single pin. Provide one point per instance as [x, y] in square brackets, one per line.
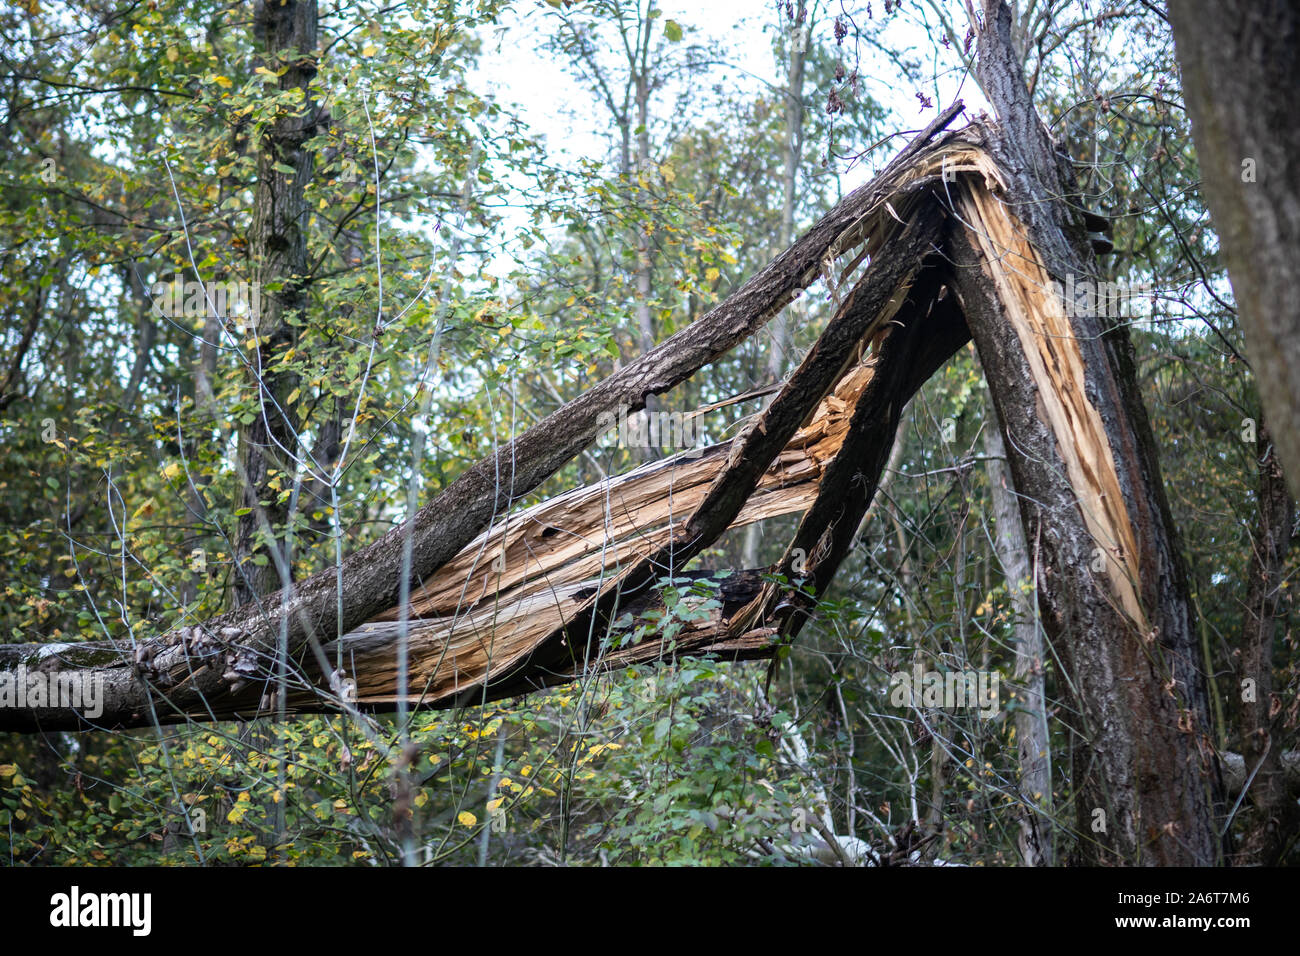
[515, 68]
[519, 71]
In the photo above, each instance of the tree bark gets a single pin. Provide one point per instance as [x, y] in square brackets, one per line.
[453, 518]
[1273, 816]
[1240, 69]
[1032, 740]
[268, 445]
[1113, 592]
[547, 612]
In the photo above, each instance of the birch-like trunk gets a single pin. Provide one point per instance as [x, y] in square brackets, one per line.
[1032, 742]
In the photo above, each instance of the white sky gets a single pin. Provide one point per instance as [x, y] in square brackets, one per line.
[514, 66]
[521, 72]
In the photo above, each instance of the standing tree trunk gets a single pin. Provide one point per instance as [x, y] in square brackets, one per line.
[1273, 816]
[1030, 680]
[791, 153]
[287, 33]
[1240, 71]
[1113, 589]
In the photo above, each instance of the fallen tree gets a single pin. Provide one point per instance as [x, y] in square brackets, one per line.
[221, 667]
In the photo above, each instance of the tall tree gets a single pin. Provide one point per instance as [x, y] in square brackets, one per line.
[1115, 599]
[1239, 60]
[268, 447]
[1032, 738]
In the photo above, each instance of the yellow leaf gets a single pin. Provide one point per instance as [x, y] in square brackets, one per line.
[711, 273]
[466, 818]
[172, 54]
[222, 81]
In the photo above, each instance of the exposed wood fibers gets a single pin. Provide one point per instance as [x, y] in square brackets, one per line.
[1036, 308]
[524, 580]
[473, 619]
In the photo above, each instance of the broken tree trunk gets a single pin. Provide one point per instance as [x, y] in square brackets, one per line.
[535, 602]
[1112, 586]
[206, 670]
[558, 591]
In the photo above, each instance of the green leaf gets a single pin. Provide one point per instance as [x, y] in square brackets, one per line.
[673, 30]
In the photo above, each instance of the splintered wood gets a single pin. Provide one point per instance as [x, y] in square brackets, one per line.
[1035, 307]
[526, 579]
[556, 591]
[484, 616]
[521, 583]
